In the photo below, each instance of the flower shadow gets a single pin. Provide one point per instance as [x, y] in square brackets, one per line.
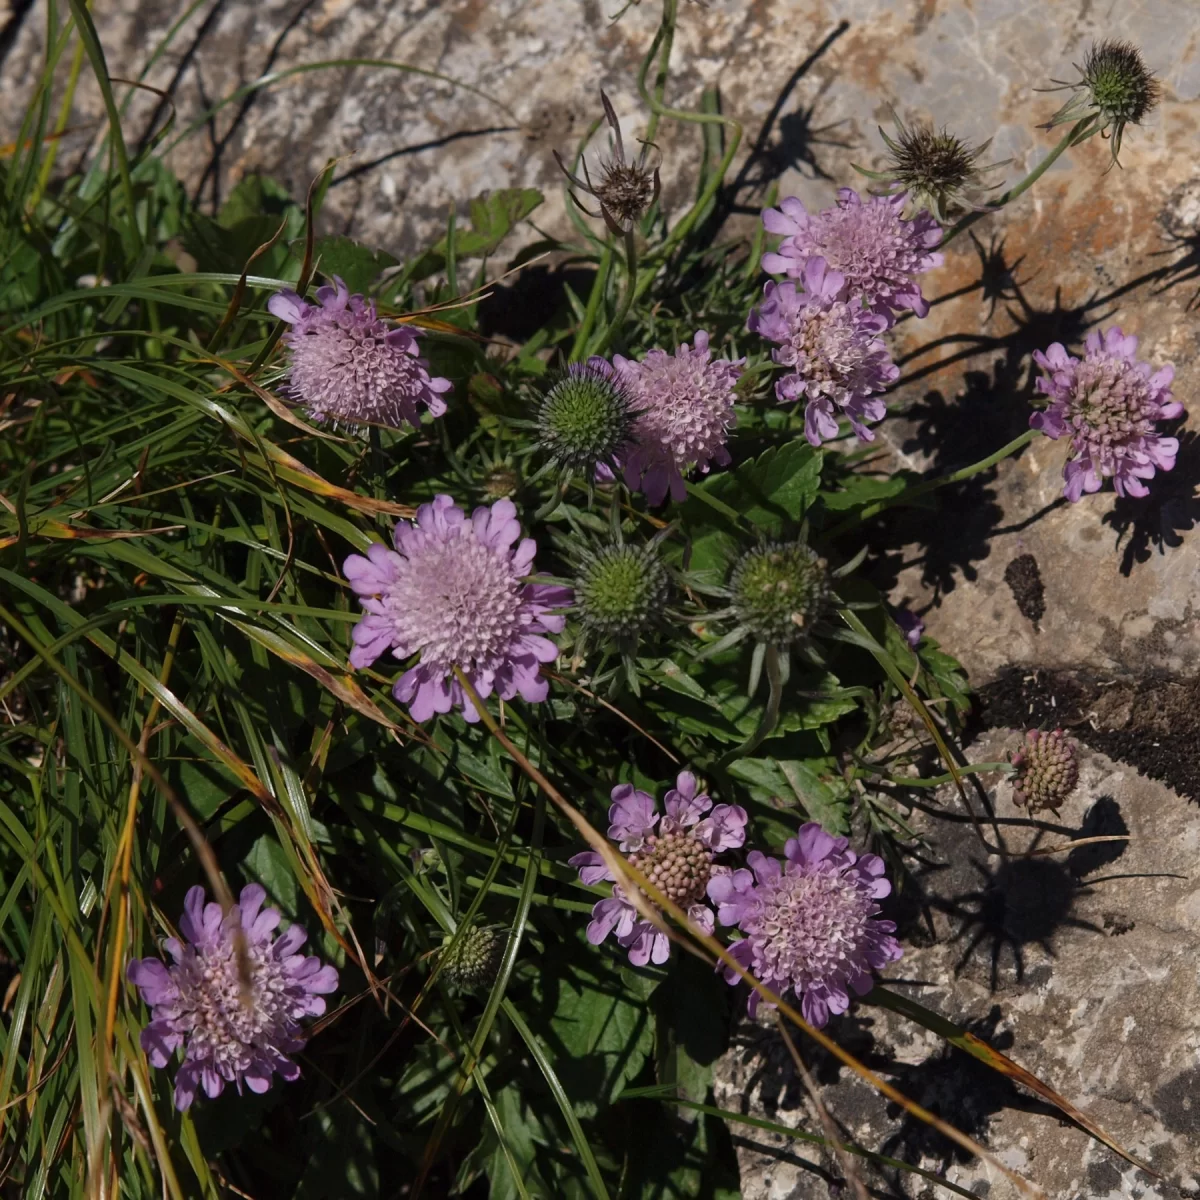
[1157, 522]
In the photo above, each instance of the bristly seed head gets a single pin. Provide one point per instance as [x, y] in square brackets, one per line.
[586, 418]
[939, 171]
[780, 591]
[1115, 89]
[620, 590]
[1122, 86]
[626, 190]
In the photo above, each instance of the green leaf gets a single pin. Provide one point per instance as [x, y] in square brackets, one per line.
[358, 266]
[342, 1164]
[268, 864]
[772, 492]
[690, 1028]
[603, 1038]
[814, 784]
[256, 196]
[522, 1133]
[857, 490]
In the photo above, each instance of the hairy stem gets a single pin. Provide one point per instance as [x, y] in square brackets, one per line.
[1076, 134]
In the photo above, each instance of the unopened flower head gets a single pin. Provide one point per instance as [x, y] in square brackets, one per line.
[455, 591]
[686, 409]
[1047, 770]
[1115, 88]
[810, 924]
[620, 591]
[586, 418]
[868, 241]
[347, 367]
[471, 960]
[937, 171]
[230, 1034]
[779, 591]
[625, 189]
[676, 850]
[1109, 405]
[831, 346]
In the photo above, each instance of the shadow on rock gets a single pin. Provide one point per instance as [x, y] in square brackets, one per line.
[961, 1090]
[517, 310]
[1158, 521]
[1103, 819]
[1021, 903]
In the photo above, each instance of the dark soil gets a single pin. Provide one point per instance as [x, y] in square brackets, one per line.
[1151, 724]
[1025, 582]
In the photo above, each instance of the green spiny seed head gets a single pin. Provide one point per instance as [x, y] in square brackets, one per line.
[472, 962]
[620, 590]
[586, 417]
[1122, 86]
[780, 591]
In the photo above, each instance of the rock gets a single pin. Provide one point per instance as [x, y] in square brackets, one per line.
[810, 86]
[1081, 966]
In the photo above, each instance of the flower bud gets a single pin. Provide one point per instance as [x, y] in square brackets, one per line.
[1047, 770]
[473, 961]
[620, 591]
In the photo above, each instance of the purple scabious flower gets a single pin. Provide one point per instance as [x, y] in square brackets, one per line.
[197, 1001]
[832, 346]
[1107, 403]
[809, 924]
[454, 590]
[685, 411]
[347, 366]
[911, 626]
[869, 242]
[675, 850]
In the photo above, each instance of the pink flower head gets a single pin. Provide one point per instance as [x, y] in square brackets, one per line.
[454, 590]
[347, 366]
[831, 345]
[868, 241]
[675, 850]
[685, 411]
[810, 924]
[1108, 404]
[197, 1001]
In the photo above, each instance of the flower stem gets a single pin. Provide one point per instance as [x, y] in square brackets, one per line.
[595, 297]
[942, 780]
[930, 485]
[626, 304]
[1076, 134]
[770, 717]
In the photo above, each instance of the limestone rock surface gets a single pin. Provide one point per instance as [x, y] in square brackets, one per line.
[1081, 966]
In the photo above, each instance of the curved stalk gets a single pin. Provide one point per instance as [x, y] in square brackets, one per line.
[1078, 132]
[931, 485]
[770, 717]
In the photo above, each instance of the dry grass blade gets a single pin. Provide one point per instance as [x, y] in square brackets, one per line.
[1000, 1063]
